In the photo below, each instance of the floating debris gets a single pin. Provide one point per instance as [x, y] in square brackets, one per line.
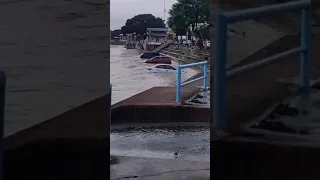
[201, 99]
[299, 115]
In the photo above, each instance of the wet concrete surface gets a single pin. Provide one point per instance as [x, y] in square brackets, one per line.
[201, 99]
[158, 169]
[296, 116]
[181, 141]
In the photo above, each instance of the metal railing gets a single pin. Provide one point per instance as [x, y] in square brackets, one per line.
[220, 74]
[180, 85]
[2, 105]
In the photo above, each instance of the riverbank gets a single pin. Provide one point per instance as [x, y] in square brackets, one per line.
[243, 45]
[160, 102]
[129, 76]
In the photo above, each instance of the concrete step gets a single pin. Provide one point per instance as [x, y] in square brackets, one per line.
[158, 169]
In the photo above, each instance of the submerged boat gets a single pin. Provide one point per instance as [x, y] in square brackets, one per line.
[149, 55]
[162, 68]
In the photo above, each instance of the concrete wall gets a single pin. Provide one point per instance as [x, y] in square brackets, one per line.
[246, 37]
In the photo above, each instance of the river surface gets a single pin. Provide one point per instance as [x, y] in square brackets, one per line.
[129, 76]
[55, 55]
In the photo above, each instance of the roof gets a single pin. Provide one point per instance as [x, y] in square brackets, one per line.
[157, 29]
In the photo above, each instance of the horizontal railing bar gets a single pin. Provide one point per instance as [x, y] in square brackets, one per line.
[262, 62]
[246, 14]
[191, 81]
[193, 64]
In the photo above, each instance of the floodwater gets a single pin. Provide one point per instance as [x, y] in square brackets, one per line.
[55, 55]
[129, 76]
[184, 141]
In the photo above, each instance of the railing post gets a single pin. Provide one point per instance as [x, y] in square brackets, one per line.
[305, 44]
[2, 106]
[205, 73]
[178, 84]
[219, 105]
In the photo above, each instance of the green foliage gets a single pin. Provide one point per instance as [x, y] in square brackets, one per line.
[204, 31]
[188, 13]
[139, 24]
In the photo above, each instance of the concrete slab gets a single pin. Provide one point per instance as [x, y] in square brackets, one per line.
[158, 169]
[180, 141]
[249, 94]
[158, 104]
[162, 95]
[295, 119]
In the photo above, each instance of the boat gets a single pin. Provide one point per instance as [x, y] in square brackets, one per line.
[159, 60]
[162, 68]
[149, 55]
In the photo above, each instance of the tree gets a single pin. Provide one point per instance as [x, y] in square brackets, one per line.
[176, 20]
[203, 32]
[189, 13]
[139, 24]
[115, 33]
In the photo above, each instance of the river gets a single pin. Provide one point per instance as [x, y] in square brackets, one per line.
[129, 76]
[55, 55]
[183, 141]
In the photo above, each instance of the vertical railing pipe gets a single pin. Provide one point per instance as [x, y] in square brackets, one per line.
[205, 75]
[178, 93]
[305, 45]
[219, 100]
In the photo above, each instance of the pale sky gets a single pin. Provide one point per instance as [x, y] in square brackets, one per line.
[121, 10]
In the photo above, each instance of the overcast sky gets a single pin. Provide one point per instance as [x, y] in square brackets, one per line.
[121, 10]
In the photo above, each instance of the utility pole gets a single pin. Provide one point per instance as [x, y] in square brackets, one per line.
[164, 11]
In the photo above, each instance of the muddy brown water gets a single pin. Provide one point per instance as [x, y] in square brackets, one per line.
[129, 76]
[55, 55]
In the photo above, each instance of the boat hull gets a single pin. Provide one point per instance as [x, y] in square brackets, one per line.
[158, 62]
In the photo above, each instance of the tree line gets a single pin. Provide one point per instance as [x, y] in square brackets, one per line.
[184, 16]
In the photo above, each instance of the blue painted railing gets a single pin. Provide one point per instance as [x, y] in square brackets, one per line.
[220, 75]
[2, 105]
[204, 64]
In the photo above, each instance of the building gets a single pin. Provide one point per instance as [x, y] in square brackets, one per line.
[155, 37]
[171, 34]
